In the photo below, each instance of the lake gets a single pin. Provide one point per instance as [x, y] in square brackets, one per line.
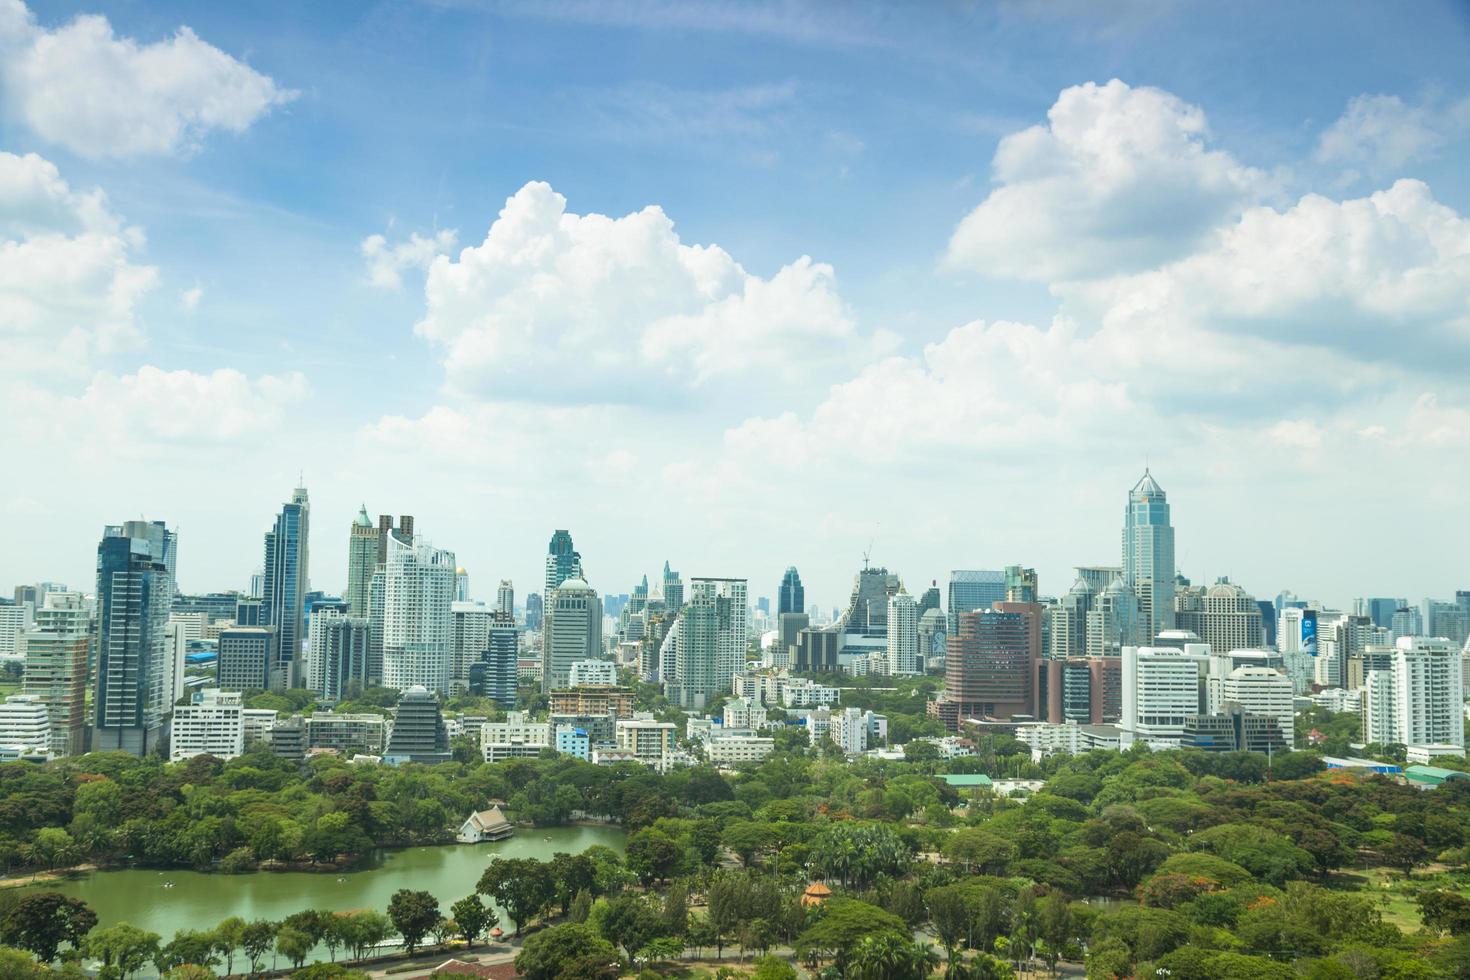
[199, 900]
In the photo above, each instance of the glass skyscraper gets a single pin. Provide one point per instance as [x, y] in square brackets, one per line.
[562, 561]
[971, 590]
[285, 588]
[792, 598]
[135, 672]
[1148, 556]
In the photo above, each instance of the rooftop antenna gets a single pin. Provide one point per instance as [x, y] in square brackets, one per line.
[867, 554]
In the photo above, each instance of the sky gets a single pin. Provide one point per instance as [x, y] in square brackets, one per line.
[742, 285]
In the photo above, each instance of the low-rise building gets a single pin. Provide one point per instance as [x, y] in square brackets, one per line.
[574, 742]
[212, 724]
[258, 724]
[854, 730]
[484, 825]
[803, 692]
[516, 728]
[349, 733]
[651, 742]
[744, 713]
[619, 701]
[592, 673]
[727, 750]
[25, 726]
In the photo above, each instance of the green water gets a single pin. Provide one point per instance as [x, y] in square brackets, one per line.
[199, 901]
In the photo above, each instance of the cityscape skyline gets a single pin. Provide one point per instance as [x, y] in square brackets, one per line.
[990, 279]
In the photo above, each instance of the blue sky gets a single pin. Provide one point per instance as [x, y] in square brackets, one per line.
[1005, 312]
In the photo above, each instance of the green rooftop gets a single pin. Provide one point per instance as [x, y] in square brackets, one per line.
[965, 780]
[1433, 775]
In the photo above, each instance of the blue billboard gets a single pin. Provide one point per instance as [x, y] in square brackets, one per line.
[1309, 632]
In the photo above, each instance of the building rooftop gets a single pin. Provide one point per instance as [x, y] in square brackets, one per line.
[966, 779]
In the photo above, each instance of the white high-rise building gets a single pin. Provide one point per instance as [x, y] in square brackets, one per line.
[1161, 688]
[471, 637]
[213, 724]
[505, 598]
[25, 726]
[1263, 691]
[592, 673]
[1148, 555]
[1296, 638]
[855, 730]
[904, 659]
[571, 631]
[710, 642]
[55, 655]
[14, 620]
[1420, 699]
[418, 621]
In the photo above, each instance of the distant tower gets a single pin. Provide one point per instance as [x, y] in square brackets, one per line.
[505, 598]
[562, 561]
[792, 598]
[572, 631]
[535, 611]
[673, 589]
[1148, 556]
[903, 636]
[285, 588]
[418, 624]
[362, 558]
[461, 585]
[135, 679]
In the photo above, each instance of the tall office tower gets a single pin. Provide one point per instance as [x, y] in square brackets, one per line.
[1021, 584]
[988, 664]
[904, 658]
[1148, 555]
[471, 637]
[1067, 636]
[1112, 623]
[1379, 610]
[246, 655]
[1406, 621]
[1419, 700]
[638, 601]
[710, 641]
[1225, 616]
[377, 591]
[505, 598]
[362, 559]
[932, 625]
[931, 599]
[337, 662]
[134, 671]
[1445, 619]
[792, 597]
[673, 589]
[286, 563]
[494, 676]
[535, 611]
[562, 561]
[418, 623]
[55, 653]
[970, 590]
[461, 585]
[1099, 577]
[571, 630]
[1161, 688]
[1268, 622]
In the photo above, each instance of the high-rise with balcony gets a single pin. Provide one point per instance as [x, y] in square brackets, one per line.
[54, 654]
[285, 585]
[362, 559]
[418, 620]
[904, 658]
[709, 641]
[135, 679]
[1148, 555]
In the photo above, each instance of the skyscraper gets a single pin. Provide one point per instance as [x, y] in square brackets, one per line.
[55, 654]
[1224, 615]
[988, 669]
[970, 590]
[494, 675]
[904, 659]
[471, 637]
[710, 641]
[505, 598]
[338, 660]
[1148, 555]
[792, 597]
[673, 589]
[418, 598]
[571, 631]
[134, 670]
[362, 558]
[1021, 584]
[562, 561]
[535, 611]
[286, 562]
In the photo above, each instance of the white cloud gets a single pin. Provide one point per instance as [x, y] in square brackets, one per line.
[69, 285]
[1382, 133]
[101, 95]
[558, 306]
[153, 409]
[387, 263]
[1118, 179]
[189, 298]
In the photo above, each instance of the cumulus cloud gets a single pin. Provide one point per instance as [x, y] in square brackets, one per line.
[559, 306]
[1118, 178]
[386, 263]
[69, 285]
[153, 408]
[100, 95]
[1382, 133]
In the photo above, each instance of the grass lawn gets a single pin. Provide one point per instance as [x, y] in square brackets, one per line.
[1395, 896]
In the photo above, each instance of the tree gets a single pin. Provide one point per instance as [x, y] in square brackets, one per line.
[328, 971]
[652, 855]
[676, 909]
[552, 953]
[843, 923]
[53, 846]
[628, 922]
[660, 948]
[188, 947]
[257, 939]
[1445, 911]
[227, 937]
[190, 971]
[472, 918]
[293, 944]
[950, 915]
[43, 921]
[571, 874]
[1405, 853]
[364, 929]
[746, 838]
[123, 949]
[773, 968]
[414, 914]
[521, 886]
